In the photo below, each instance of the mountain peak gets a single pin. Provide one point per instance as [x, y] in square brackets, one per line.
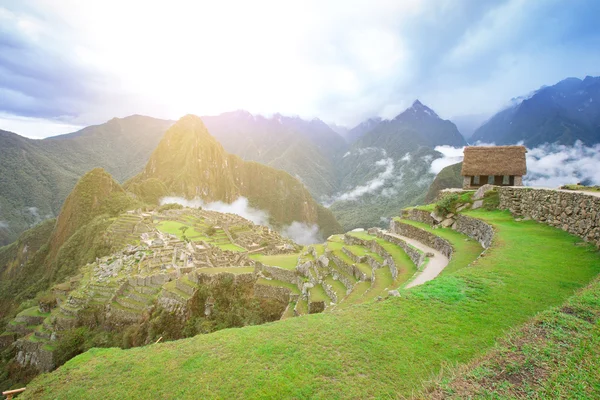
[418, 110]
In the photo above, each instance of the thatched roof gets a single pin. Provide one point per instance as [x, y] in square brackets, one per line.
[494, 160]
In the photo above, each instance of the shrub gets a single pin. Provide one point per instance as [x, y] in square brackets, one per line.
[491, 200]
[211, 230]
[446, 204]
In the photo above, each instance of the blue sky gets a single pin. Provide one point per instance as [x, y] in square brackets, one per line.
[68, 63]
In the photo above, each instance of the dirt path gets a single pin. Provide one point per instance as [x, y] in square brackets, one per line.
[432, 269]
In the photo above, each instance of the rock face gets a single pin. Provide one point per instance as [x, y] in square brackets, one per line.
[575, 212]
[189, 162]
[475, 229]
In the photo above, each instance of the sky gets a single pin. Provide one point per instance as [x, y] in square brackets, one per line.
[65, 64]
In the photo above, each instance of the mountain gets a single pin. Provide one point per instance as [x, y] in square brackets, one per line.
[562, 113]
[191, 163]
[37, 175]
[468, 124]
[284, 143]
[448, 177]
[389, 167]
[54, 249]
[361, 129]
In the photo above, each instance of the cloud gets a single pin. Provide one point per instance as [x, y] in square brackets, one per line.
[373, 185]
[59, 62]
[3, 225]
[450, 155]
[240, 207]
[302, 233]
[549, 165]
[555, 165]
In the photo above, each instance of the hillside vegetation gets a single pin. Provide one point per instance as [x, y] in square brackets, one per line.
[189, 162]
[37, 175]
[374, 349]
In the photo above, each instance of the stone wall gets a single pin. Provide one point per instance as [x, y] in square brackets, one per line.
[421, 235]
[280, 274]
[575, 212]
[418, 215]
[475, 228]
[315, 307]
[34, 354]
[416, 256]
[278, 293]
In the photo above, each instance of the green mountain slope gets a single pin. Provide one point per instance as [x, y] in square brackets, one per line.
[189, 162]
[449, 177]
[389, 167]
[37, 175]
[376, 349]
[562, 113]
[305, 149]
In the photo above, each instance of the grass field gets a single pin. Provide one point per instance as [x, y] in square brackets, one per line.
[287, 261]
[173, 228]
[374, 350]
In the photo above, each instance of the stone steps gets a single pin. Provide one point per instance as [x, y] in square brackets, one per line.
[131, 304]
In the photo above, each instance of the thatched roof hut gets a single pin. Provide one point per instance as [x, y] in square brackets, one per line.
[494, 161]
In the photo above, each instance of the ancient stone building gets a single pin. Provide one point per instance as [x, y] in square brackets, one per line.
[496, 165]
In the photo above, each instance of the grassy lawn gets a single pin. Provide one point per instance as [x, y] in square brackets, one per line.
[383, 281]
[317, 293]
[33, 312]
[338, 287]
[231, 247]
[373, 350]
[287, 261]
[581, 187]
[302, 306]
[273, 282]
[173, 228]
[466, 249]
[233, 270]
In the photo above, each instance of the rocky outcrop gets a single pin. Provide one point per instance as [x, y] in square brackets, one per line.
[575, 212]
[278, 293]
[415, 214]
[35, 354]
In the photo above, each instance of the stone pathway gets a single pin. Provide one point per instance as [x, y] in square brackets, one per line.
[432, 269]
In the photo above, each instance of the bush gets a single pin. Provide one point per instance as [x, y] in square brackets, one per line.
[70, 344]
[211, 230]
[491, 200]
[446, 204]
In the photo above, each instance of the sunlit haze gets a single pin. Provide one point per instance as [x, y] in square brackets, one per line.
[82, 63]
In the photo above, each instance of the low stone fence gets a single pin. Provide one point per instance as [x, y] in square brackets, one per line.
[476, 229]
[421, 235]
[574, 212]
[417, 215]
[349, 269]
[354, 257]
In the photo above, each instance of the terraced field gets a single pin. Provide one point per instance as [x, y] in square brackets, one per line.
[355, 350]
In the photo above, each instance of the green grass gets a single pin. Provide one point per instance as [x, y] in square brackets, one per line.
[581, 187]
[466, 250]
[231, 247]
[302, 306]
[173, 228]
[276, 283]
[233, 270]
[337, 286]
[287, 261]
[373, 350]
[33, 312]
[317, 293]
[383, 281]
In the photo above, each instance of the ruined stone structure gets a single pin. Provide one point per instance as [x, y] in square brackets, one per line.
[496, 165]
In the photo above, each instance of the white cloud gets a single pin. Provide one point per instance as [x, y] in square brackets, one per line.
[372, 185]
[556, 165]
[302, 233]
[240, 207]
[35, 128]
[299, 232]
[450, 155]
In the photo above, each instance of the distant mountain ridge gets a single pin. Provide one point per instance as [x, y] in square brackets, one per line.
[191, 163]
[37, 175]
[563, 113]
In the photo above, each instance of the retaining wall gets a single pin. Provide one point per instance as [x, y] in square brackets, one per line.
[574, 212]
